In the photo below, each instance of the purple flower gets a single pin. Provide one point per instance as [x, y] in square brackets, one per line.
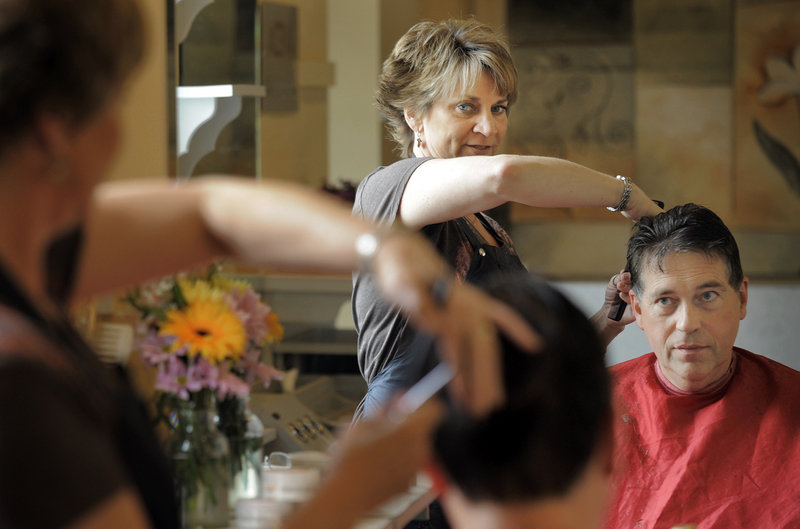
[155, 348]
[202, 374]
[171, 377]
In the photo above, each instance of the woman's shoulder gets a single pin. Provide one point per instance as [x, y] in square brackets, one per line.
[378, 195]
[399, 170]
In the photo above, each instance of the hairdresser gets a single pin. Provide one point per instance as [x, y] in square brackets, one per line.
[446, 91]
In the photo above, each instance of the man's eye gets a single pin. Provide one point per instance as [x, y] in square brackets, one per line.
[709, 296]
[664, 302]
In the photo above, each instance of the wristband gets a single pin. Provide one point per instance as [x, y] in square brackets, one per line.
[366, 246]
[626, 194]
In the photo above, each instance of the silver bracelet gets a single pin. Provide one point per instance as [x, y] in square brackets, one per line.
[366, 246]
[626, 194]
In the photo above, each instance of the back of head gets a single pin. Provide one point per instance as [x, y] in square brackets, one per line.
[556, 414]
[434, 60]
[65, 57]
[685, 228]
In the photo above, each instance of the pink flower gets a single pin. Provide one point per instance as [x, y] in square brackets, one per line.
[252, 313]
[232, 384]
[250, 364]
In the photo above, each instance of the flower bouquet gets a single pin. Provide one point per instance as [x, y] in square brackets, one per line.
[206, 335]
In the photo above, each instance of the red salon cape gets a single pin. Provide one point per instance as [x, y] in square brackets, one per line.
[726, 460]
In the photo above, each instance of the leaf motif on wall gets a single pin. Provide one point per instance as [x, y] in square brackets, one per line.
[780, 156]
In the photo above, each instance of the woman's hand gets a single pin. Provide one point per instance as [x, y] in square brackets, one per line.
[375, 459]
[617, 288]
[640, 205]
[465, 320]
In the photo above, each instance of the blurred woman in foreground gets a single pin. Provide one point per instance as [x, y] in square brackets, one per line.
[76, 448]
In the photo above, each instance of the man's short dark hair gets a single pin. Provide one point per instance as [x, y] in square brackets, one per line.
[557, 406]
[686, 228]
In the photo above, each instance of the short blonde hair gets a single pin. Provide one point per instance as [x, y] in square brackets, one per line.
[435, 59]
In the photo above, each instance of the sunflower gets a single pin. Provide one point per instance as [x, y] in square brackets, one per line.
[208, 328]
[194, 290]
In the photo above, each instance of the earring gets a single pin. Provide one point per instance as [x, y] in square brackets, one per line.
[419, 139]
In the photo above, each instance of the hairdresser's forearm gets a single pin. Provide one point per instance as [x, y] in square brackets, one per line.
[141, 230]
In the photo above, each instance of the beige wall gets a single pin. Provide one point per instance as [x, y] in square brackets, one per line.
[144, 112]
[294, 144]
[354, 125]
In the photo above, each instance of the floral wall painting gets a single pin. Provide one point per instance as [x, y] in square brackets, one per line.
[782, 85]
[767, 121]
[575, 60]
[575, 103]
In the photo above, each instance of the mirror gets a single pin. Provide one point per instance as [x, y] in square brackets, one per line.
[664, 92]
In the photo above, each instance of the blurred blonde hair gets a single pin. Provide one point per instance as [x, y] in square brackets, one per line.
[434, 60]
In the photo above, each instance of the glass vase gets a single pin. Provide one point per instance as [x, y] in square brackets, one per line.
[245, 433]
[200, 457]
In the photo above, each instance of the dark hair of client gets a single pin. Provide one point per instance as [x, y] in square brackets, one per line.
[557, 409]
[685, 228]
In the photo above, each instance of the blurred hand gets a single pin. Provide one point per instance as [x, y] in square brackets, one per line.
[466, 321]
[379, 457]
[374, 460]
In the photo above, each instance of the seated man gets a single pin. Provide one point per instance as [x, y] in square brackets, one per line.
[543, 458]
[705, 432]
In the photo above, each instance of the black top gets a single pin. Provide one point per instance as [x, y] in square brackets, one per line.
[72, 431]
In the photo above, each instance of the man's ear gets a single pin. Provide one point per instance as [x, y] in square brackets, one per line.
[743, 298]
[636, 307]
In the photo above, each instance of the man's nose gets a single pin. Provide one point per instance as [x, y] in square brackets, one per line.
[688, 317]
